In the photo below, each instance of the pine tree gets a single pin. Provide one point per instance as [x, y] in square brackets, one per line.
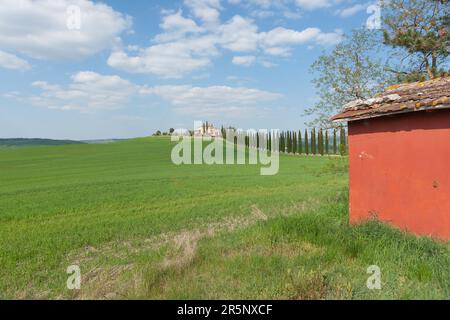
[421, 28]
[306, 142]
[300, 147]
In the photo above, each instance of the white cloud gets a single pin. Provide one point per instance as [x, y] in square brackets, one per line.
[314, 4]
[206, 10]
[11, 61]
[239, 34]
[168, 60]
[244, 60]
[350, 11]
[278, 51]
[176, 26]
[330, 38]
[88, 92]
[268, 8]
[184, 47]
[212, 101]
[92, 92]
[282, 36]
[277, 39]
[39, 28]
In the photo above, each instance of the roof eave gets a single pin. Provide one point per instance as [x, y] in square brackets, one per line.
[378, 115]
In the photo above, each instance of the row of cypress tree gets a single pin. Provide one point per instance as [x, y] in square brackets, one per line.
[312, 142]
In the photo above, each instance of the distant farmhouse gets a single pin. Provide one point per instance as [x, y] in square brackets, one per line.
[207, 129]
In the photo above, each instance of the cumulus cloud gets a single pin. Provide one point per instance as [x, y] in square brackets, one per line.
[239, 34]
[39, 28]
[206, 10]
[244, 60]
[184, 46]
[88, 91]
[13, 62]
[176, 26]
[314, 4]
[167, 60]
[213, 100]
[352, 10]
[282, 36]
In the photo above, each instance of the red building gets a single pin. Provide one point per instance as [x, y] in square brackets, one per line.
[399, 157]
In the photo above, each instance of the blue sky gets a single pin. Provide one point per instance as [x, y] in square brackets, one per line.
[132, 67]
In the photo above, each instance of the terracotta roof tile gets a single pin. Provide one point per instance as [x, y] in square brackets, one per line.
[409, 97]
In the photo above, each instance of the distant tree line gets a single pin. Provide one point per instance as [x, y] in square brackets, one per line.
[312, 142]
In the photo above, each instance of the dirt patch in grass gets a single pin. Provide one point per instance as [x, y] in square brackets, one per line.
[104, 283]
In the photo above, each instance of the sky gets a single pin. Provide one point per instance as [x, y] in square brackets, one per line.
[81, 69]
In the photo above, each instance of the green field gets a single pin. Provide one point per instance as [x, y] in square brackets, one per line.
[140, 227]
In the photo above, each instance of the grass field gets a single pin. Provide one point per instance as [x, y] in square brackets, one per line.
[140, 227]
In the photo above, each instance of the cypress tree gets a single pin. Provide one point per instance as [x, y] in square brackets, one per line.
[294, 143]
[313, 141]
[287, 142]
[279, 142]
[300, 148]
[327, 143]
[320, 140]
[306, 142]
[270, 141]
[334, 141]
[290, 142]
[342, 147]
[282, 141]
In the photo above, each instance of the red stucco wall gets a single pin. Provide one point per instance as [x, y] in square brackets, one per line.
[400, 171]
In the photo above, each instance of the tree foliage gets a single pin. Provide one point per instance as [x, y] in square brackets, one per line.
[420, 28]
[351, 71]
